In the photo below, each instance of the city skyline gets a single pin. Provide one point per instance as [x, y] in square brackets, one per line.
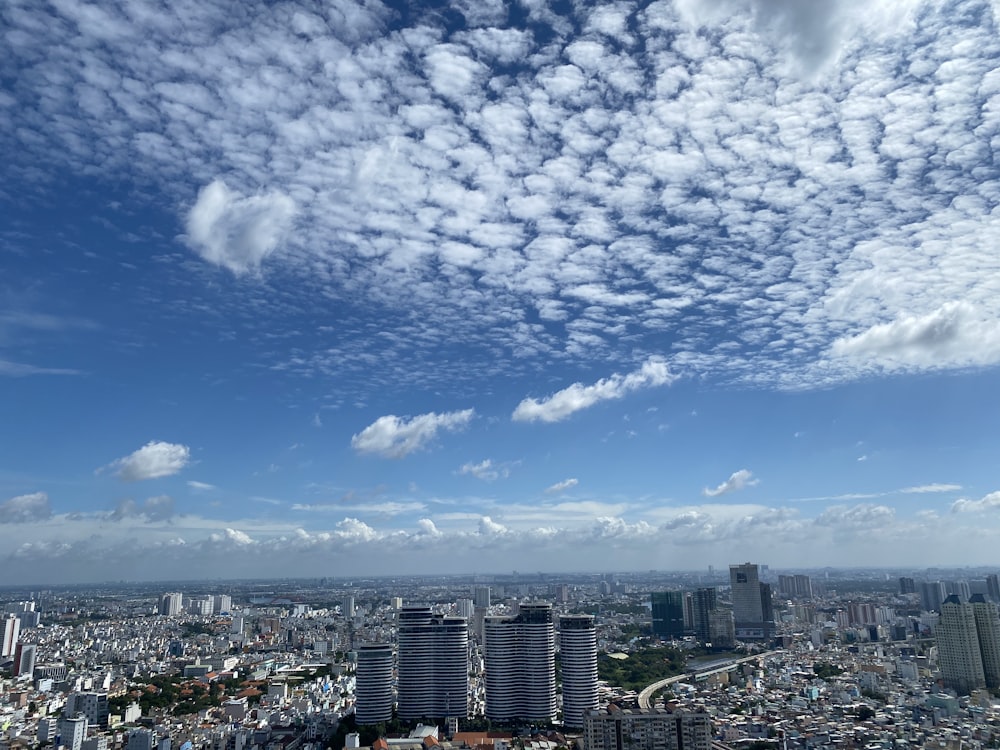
[416, 288]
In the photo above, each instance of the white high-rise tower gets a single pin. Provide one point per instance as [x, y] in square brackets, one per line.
[520, 665]
[578, 660]
[958, 647]
[433, 665]
[373, 684]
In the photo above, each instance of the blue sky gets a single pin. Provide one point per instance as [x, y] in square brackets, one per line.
[350, 287]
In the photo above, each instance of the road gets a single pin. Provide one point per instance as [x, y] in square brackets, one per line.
[647, 692]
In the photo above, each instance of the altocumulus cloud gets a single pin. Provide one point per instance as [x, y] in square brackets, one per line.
[568, 401]
[238, 232]
[395, 437]
[153, 460]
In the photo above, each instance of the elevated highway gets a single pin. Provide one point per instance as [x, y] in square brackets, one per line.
[645, 697]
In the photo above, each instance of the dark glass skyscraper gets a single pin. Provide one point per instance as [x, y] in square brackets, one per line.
[668, 613]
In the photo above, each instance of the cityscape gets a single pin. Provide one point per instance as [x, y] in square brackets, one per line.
[746, 658]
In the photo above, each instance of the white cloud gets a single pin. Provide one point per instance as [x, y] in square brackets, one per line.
[200, 486]
[25, 508]
[933, 487]
[20, 370]
[153, 460]
[395, 437]
[564, 403]
[562, 486]
[954, 335]
[738, 480]
[238, 232]
[485, 470]
[863, 516]
[987, 502]
[159, 508]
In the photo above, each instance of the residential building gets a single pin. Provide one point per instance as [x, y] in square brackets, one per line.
[373, 684]
[520, 665]
[93, 705]
[988, 633]
[959, 653]
[993, 587]
[432, 665]
[703, 602]
[24, 659]
[907, 585]
[72, 731]
[932, 593]
[652, 729]
[171, 603]
[578, 664]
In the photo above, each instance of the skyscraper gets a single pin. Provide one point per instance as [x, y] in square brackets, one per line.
[703, 602]
[520, 665]
[433, 665]
[373, 684]
[988, 632]
[932, 593]
[907, 585]
[993, 587]
[752, 607]
[11, 630]
[578, 663]
[959, 654]
[668, 613]
[24, 659]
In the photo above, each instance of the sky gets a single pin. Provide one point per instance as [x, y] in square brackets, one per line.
[350, 288]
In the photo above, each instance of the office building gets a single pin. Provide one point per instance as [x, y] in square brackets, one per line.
[24, 659]
[703, 602]
[651, 729]
[11, 630]
[171, 603]
[141, 739]
[578, 664]
[373, 684]
[907, 585]
[753, 611]
[520, 665]
[668, 613]
[433, 665]
[959, 654]
[72, 731]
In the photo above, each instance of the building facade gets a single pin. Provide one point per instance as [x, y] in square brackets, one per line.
[959, 656]
[373, 684]
[520, 665]
[432, 665]
[652, 729]
[753, 611]
[578, 664]
[668, 613]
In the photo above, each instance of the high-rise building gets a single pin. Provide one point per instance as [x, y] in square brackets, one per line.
[932, 593]
[373, 684]
[753, 611]
[993, 587]
[721, 627]
[907, 585]
[348, 607]
[520, 665]
[433, 665]
[703, 602]
[465, 608]
[222, 603]
[988, 632]
[11, 630]
[171, 603]
[959, 654]
[578, 664]
[668, 613]
[141, 739]
[72, 731]
[798, 586]
[24, 659]
[481, 596]
[93, 705]
[960, 588]
[651, 729]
